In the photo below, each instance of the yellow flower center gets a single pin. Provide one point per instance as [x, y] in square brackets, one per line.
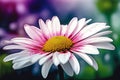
[57, 43]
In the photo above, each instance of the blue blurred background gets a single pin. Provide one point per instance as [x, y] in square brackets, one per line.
[15, 13]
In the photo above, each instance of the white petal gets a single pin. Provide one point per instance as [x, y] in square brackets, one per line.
[71, 26]
[104, 46]
[46, 68]
[95, 40]
[81, 24]
[41, 38]
[49, 25]
[102, 33]
[22, 58]
[33, 58]
[38, 56]
[92, 29]
[14, 56]
[85, 57]
[5, 42]
[55, 59]
[68, 69]
[64, 57]
[22, 40]
[64, 29]
[44, 59]
[95, 65]
[88, 21]
[56, 25]
[41, 24]
[22, 64]
[31, 31]
[74, 64]
[8, 47]
[44, 28]
[93, 26]
[88, 49]
[25, 41]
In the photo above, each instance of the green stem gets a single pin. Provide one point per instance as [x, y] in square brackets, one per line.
[108, 18]
[61, 73]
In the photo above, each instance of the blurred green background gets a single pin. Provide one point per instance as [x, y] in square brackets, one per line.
[15, 13]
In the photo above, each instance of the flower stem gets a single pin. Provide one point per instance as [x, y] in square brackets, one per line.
[108, 18]
[109, 21]
[61, 73]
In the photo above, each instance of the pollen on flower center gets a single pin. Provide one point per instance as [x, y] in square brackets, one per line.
[57, 43]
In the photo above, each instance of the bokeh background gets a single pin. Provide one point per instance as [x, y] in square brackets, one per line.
[15, 13]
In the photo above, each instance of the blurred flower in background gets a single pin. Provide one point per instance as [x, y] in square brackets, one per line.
[15, 13]
[107, 7]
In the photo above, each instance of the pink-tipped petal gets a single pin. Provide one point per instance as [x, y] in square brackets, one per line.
[91, 30]
[93, 40]
[92, 26]
[56, 26]
[26, 41]
[44, 28]
[81, 24]
[49, 25]
[87, 49]
[41, 38]
[31, 31]
[71, 27]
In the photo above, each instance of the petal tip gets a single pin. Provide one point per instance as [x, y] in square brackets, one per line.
[5, 60]
[96, 68]
[88, 21]
[26, 25]
[40, 20]
[4, 48]
[55, 18]
[15, 68]
[113, 48]
[75, 18]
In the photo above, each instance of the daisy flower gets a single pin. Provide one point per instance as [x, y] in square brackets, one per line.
[56, 44]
